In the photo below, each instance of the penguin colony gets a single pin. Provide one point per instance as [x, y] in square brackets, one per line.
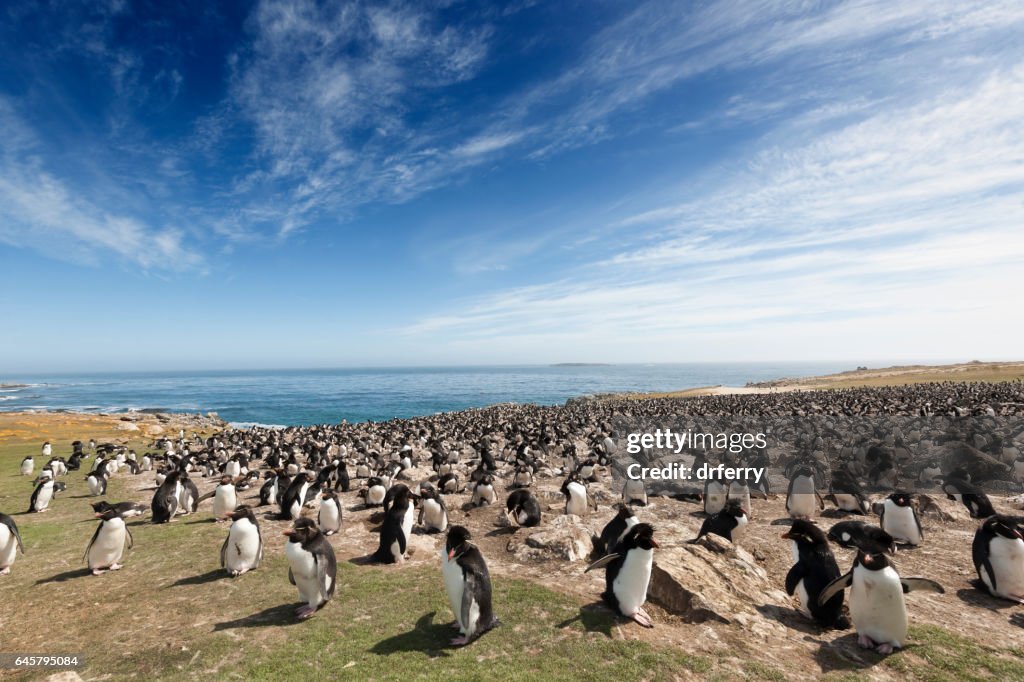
[302, 474]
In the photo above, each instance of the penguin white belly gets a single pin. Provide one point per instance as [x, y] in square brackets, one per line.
[847, 502]
[328, 518]
[483, 494]
[27, 468]
[714, 499]
[1018, 471]
[44, 497]
[434, 516]
[805, 600]
[224, 501]
[577, 503]
[303, 566]
[407, 522]
[1007, 559]
[159, 478]
[8, 546]
[900, 524]
[741, 525]
[633, 490]
[296, 508]
[95, 486]
[233, 469]
[292, 469]
[109, 545]
[184, 500]
[243, 547]
[147, 463]
[375, 495]
[802, 501]
[877, 606]
[630, 585]
[454, 585]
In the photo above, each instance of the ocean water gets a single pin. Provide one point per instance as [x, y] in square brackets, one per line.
[296, 397]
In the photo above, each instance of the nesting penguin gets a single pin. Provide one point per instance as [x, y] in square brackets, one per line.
[242, 550]
[628, 573]
[877, 606]
[448, 483]
[847, 494]
[106, 548]
[998, 553]
[375, 491]
[727, 523]
[10, 543]
[329, 515]
[312, 566]
[523, 509]
[802, 498]
[899, 519]
[468, 584]
[814, 568]
[433, 512]
[397, 527]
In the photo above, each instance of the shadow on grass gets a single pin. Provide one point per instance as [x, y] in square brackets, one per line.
[65, 576]
[791, 618]
[426, 636]
[979, 596]
[844, 654]
[282, 614]
[595, 617]
[208, 577]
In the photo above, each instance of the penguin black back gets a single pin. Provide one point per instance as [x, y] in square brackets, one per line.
[814, 569]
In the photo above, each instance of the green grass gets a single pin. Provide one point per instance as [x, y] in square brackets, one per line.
[935, 654]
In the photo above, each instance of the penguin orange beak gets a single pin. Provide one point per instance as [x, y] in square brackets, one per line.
[655, 544]
[451, 554]
[785, 536]
[288, 533]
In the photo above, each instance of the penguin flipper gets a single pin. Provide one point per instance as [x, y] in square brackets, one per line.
[326, 573]
[224, 552]
[291, 576]
[470, 624]
[128, 538]
[793, 578]
[834, 588]
[91, 541]
[921, 585]
[602, 562]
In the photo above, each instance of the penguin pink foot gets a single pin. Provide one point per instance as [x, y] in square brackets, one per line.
[460, 641]
[115, 567]
[99, 571]
[884, 649]
[5, 571]
[305, 612]
[643, 618]
[865, 642]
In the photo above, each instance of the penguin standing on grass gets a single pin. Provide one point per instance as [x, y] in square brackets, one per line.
[877, 606]
[628, 573]
[998, 553]
[312, 566]
[106, 549]
[242, 550]
[28, 465]
[10, 543]
[814, 569]
[468, 584]
[225, 498]
[97, 481]
[165, 499]
[41, 496]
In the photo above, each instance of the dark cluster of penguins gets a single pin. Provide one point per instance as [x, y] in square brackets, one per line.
[302, 473]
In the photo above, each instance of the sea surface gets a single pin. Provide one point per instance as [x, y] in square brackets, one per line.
[296, 397]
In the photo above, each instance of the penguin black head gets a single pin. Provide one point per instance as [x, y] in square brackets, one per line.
[458, 537]
[734, 508]
[108, 514]
[225, 480]
[804, 532]
[304, 531]
[641, 535]
[625, 512]
[901, 499]
[101, 506]
[487, 480]
[1006, 526]
[242, 511]
[328, 495]
[873, 561]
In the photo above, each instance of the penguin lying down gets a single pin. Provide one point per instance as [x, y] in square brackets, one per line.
[628, 573]
[877, 607]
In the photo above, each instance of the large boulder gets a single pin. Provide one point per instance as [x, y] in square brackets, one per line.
[564, 537]
[712, 580]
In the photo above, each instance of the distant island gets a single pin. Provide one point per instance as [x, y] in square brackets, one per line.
[582, 364]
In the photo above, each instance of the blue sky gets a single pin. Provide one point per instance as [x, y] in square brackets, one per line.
[297, 184]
